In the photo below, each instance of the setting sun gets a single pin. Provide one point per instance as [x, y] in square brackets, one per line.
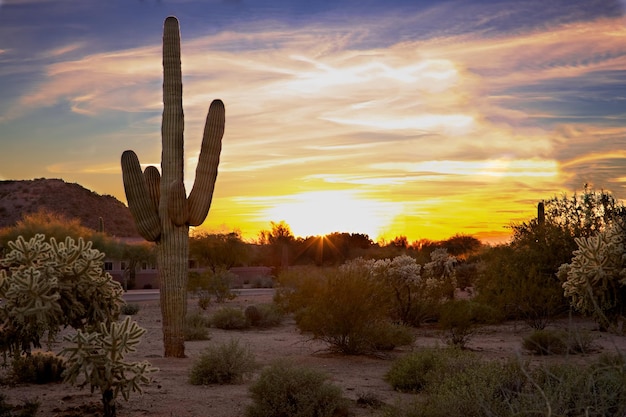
[322, 212]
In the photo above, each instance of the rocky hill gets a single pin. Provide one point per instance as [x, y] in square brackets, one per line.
[19, 197]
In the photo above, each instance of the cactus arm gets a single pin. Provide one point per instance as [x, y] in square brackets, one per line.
[139, 202]
[208, 161]
[177, 204]
[153, 180]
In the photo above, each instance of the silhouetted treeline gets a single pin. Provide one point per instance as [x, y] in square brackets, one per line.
[279, 248]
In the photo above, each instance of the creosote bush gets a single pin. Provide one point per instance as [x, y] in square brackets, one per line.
[284, 389]
[264, 315]
[558, 342]
[130, 309]
[197, 326]
[419, 369]
[228, 363]
[460, 318]
[345, 310]
[478, 388]
[229, 318]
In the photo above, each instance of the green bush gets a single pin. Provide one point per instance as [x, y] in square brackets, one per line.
[264, 315]
[286, 390]
[228, 363]
[415, 371]
[558, 342]
[460, 318]
[130, 309]
[345, 311]
[508, 389]
[38, 368]
[196, 326]
[477, 389]
[212, 285]
[388, 336]
[229, 318]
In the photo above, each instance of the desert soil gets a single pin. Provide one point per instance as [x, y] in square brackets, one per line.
[170, 395]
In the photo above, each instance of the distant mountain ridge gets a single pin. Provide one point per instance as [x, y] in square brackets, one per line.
[73, 201]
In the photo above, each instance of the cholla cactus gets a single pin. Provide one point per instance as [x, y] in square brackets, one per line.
[158, 201]
[440, 273]
[97, 359]
[595, 280]
[401, 278]
[48, 285]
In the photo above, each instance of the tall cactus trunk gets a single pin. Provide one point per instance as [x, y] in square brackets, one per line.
[173, 272]
[158, 201]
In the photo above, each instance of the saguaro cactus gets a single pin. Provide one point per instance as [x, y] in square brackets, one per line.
[158, 201]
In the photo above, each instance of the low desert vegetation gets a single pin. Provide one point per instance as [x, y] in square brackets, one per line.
[284, 389]
[229, 318]
[227, 363]
[459, 383]
[558, 342]
[197, 326]
[37, 368]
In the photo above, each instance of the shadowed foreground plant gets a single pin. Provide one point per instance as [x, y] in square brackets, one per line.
[228, 363]
[286, 390]
[97, 359]
[46, 286]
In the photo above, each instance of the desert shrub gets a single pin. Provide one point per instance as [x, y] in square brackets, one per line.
[546, 342]
[286, 390]
[519, 280]
[346, 310]
[228, 363]
[388, 336]
[38, 368]
[580, 341]
[212, 285]
[229, 318]
[592, 390]
[264, 315]
[511, 388]
[197, 326]
[419, 369]
[297, 287]
[477, 389]
[558, 342]
[460, 318]
[130, 309]
[28, 409]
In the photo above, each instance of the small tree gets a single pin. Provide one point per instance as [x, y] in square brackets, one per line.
[218, 251]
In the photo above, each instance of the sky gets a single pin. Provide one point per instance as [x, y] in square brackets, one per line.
[416, 118]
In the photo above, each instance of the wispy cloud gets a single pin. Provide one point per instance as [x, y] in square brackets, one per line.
[412, 126]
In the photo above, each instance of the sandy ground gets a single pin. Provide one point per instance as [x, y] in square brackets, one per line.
[170, 395]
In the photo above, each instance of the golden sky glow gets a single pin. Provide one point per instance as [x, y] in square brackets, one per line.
[332, 127]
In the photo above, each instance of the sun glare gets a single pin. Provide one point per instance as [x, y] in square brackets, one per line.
[321, 212]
